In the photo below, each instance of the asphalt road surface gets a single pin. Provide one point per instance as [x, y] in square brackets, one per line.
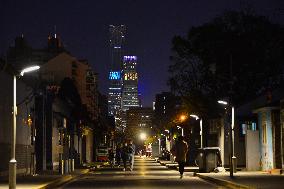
[146, 174]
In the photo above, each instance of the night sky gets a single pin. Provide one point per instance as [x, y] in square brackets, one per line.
[83, 28]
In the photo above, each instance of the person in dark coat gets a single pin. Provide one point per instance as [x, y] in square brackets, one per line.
[124, 155]
[118, 155]
[180, 150]
[111, 157]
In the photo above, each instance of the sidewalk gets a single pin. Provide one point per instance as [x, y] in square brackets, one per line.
[241, 179]
[245, 179]
[43, 181]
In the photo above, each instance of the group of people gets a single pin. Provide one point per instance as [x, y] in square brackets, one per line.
[124, 153]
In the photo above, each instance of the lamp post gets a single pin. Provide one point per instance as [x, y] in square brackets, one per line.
[201, 129]
[181, 130]
[13, 162]
[233, 158]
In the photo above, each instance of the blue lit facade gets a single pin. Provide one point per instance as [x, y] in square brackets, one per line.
[116, 45]
[114, 93]
[114, 75]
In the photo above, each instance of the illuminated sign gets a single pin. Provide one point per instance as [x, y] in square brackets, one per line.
[127, 58]
[114, 75]
[130, 76]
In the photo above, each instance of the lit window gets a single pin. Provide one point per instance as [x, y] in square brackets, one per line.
[244, 127]
[253, 126]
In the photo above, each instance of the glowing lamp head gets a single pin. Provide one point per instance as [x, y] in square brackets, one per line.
[143, 136]
[222, 102]
[194, 116]
[182, 117]
[29, 69]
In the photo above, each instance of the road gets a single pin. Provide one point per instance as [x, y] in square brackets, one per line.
[146, 174]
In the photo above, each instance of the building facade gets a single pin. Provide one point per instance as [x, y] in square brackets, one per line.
[114, 93]
[139, 120]
[130, 83]
[54, 134]
[116, 45]
[166, 107]
[24, 141]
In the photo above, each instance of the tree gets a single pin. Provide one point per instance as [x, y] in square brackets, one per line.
[237, 55]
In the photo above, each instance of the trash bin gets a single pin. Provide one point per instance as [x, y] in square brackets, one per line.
[208, 159]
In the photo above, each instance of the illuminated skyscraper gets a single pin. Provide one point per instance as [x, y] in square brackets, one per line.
[114, 94]
[130, 83]
[117, 40]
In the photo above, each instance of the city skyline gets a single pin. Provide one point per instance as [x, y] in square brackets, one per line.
[149, 35]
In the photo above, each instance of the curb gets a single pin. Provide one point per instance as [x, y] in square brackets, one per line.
[60, 181]
[225, 183]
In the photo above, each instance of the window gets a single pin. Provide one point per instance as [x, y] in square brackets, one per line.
[244, 128]
[253, 126]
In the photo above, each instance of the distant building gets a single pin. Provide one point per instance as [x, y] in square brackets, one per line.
[166, 107]
[139, 117]
[116, 45]
[138, 120]
[114, 93]
[130, 83]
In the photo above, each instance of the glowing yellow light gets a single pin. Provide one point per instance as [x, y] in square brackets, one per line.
[182, 117]
[143, 136]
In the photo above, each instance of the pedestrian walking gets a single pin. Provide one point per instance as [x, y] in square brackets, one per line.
[124, 155]
[111, 158]
[118, 155]
[131, 153]
[180, 150]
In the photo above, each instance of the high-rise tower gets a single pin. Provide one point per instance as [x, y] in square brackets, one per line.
[116, 42]
[130, 83]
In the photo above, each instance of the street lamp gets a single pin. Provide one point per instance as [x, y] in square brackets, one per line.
[232, 141]
[143, 136]
[182, 118]
[201, 129]
[13, 162]
[181, 130]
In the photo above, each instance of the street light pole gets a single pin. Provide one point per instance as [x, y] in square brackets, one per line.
[201, 137]
[13, 162]
[233, 158]
[201, 129]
